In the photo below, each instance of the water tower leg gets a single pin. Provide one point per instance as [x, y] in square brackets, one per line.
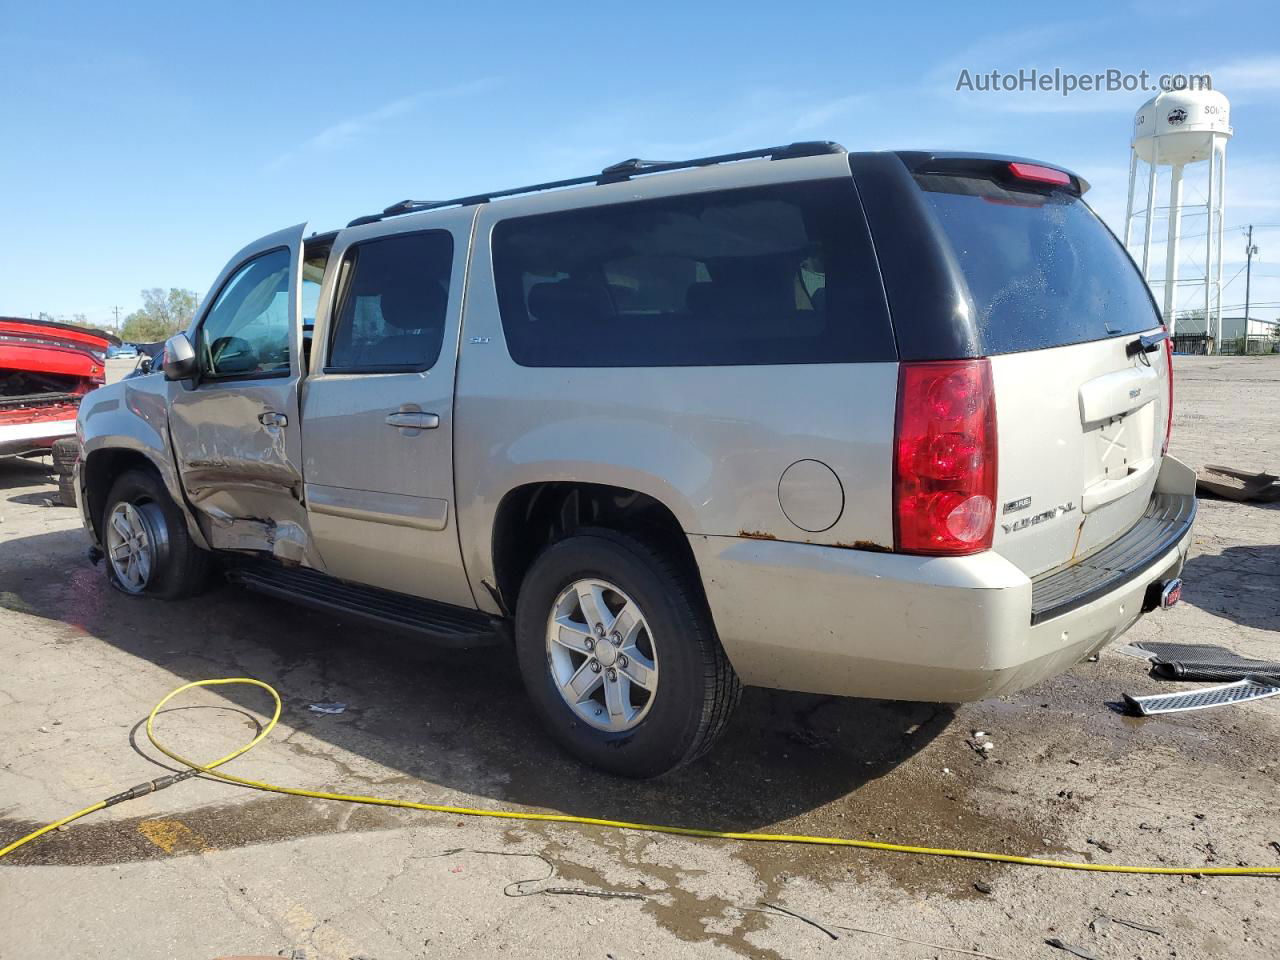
[1128, 209]
[1209, 230]
[1171, 248]
[1151, 207]
[1222, 215]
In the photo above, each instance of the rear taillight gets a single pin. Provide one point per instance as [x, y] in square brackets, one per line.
[944, 482]
[1168, 422]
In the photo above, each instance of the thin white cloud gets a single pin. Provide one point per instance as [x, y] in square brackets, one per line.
[352, 129]
[1250, 75]
[821, 114]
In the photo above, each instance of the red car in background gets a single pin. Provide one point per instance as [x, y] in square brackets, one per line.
[45, 368]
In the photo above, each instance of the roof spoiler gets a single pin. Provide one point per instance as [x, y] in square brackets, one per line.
[1014, 172]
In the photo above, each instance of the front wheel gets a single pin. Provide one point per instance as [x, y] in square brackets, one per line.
[145, 540]
[620, 657]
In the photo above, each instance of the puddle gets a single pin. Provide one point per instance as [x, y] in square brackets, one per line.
[199, 831]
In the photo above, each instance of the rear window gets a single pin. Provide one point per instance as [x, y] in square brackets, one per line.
[1043, 270]
[774, 275]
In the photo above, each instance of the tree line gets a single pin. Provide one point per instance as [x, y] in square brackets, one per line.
[162, 314]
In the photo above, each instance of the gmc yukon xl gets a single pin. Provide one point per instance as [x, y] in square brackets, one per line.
[883, 425]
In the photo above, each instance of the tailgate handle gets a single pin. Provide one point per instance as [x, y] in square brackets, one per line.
[1117, 394]
[413, 421]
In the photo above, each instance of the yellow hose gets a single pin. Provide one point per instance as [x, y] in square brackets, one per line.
[211, 770]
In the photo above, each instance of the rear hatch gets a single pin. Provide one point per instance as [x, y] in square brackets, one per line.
[1082, 401]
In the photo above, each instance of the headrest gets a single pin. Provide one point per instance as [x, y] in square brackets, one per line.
[414, 306]
[569, 299]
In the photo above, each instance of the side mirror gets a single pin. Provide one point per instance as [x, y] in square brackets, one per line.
[179, 358]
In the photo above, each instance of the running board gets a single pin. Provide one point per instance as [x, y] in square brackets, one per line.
[1238, 692]
[445, 624]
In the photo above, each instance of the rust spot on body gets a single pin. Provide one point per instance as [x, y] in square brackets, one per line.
[870, 545]
[756, 535]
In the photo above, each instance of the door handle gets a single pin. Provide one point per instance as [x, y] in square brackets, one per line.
[414, 421]
[273, 419]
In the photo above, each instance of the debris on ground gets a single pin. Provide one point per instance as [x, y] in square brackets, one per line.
[1239, 692]
[335, 707]
[1071, 948]
[982, 887]
[1232, 483]
[1134, 925]
[1205, 661]
[800, 916]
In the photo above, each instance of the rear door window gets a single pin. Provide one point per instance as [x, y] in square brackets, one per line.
[392, 300]
[772, 275]
[1042, 269]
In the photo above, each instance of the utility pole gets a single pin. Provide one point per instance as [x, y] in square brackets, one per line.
[1249, 252]
[116, 311]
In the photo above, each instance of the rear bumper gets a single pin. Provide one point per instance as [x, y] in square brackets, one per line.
[945, 629]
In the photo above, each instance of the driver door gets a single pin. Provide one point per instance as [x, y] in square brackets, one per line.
[235, 427]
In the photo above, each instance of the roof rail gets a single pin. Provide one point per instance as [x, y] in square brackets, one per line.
[614, 173]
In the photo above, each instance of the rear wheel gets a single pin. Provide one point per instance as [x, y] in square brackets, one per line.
[620, 657]
[144, 536]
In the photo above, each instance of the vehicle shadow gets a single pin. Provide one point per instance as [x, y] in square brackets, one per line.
[460, 719]
[16, 472]
[1240, 583]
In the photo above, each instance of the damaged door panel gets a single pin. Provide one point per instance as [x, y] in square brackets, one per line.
[235, 427]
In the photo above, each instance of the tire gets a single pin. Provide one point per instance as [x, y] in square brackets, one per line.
[67, 490]
[640, 732]
[174, 566]
[66, 452]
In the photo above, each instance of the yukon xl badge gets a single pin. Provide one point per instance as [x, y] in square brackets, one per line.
[1032, 520]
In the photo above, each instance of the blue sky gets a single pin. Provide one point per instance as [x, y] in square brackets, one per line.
[143, 144]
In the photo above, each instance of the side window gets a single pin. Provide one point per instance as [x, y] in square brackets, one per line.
[246, 331]
[392, 303]
[762, 275]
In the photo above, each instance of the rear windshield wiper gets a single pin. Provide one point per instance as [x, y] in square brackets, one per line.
[1146, 343]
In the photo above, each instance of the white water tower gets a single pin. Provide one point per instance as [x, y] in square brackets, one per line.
[1172, 131]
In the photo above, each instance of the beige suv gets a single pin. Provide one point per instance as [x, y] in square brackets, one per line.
[873, 424]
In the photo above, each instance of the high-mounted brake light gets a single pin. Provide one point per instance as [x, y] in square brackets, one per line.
[1039, 174]
[944, 483]
[1168, 423]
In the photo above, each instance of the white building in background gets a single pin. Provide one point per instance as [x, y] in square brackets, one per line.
[1171, 132]
[1233, 328]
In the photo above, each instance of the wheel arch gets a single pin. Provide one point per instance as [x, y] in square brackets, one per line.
[104, 463]
[532, 516]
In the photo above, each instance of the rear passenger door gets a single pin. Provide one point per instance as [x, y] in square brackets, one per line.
[378, 409]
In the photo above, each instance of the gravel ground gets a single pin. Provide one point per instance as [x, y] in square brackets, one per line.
[208, 870]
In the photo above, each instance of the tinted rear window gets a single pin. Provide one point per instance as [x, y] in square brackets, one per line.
[1043, 270]
[774, 275]
[392, 303]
